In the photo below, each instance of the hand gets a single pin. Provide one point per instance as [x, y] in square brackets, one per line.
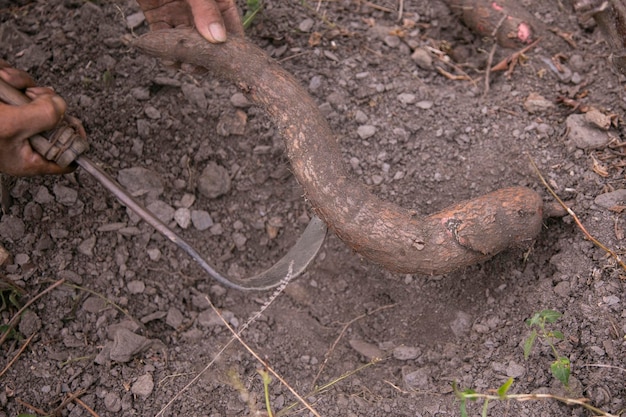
[18, 123]
[212, 18]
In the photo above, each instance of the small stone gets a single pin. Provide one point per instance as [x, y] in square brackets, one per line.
[126, 344]
[201, 219]
[232, 124]
[461, 324]
[140, 181]
[209, 318]
[424, 104]
[134, 20]
[195, 95]
[563, 289]
[162, 210]
[368, 350]
[94, 304]
[154, 254]
[143, 386]
[583, 135]
[182, 216]
[65, 195]
[87, 246]
[240, 101]
[366, 131]
[515, 370]
[152, 113]
[306, 25]
[536, 103]
[112, 402]
[187, 200]
[612, 199]
[174, 318]
[360, 116]
[42, 196]
[140, 93]
[214, 181]
[12, 228]
[30, 323]
[406, 353]
[422, 58]
[418, 379]
[392, 41]
[407, 98]
[21, 259]
[598, 119]
[136, 287]
[377, 179]
[240, 240]
[143, 128]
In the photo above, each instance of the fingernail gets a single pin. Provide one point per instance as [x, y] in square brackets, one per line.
[217, 31]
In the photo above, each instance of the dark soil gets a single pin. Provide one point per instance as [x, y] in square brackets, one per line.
[437, 141]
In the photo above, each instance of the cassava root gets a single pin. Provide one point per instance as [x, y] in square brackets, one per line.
[461, 235]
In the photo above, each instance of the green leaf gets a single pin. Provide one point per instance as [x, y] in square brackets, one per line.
[550, 316]
[561, 369]
[557, 335]
[528, 343]
[504, 388]
[26, 415]
[534, 320]
[467, 392]
[463, 408]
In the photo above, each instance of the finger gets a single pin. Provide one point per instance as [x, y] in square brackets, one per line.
[30, 163]
[231, 16]
[34, 92]
[170, 15]
[17, 78]
[42, 114]
[208, 20]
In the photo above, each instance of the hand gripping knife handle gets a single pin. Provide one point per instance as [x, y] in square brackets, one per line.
[61, 145]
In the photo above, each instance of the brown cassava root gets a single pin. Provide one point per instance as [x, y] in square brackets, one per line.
[461, 235]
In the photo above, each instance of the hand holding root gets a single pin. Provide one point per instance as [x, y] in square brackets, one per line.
[389, 235]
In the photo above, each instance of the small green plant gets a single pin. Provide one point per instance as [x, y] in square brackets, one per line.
[254, 7]
[560, 368]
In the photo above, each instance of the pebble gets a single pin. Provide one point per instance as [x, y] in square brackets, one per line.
[126, 344]
[112, 402]
[406, 353]
[360, 117]
[422, 58]
[87, 246]
[152, 113]
[174, 318]
[536, 103]
[30, 323]
[201, 219]
[143, 386]
[369, 350]
[94, 304]
[21, 259]
[209, 318]
[461, 324]
[162, 210]
[232, 124]
[366, 131]
[167, 81]
[182, 216]
[306, 25]
[407, 98]
[140, 93]
[392, 41]
[42, 196]
[214, 181]
[136, 287]
[424, 104]
[143, 129]
[418, 379]
[195, 95]
[515, 370]
[597, 118]
[140, 181]
[240, 240]
[583, 135]
[239, 100]
[154, 254]
[612, 199]
[65, 195]
[315, 83]
[187, 200]
[377, 179]
[12, 228]
[70, 276]
[134, 20]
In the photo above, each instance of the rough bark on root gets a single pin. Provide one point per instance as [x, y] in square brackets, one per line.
[396, 238]
[510, 24]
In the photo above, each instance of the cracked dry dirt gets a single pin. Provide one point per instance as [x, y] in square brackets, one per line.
[414, 136]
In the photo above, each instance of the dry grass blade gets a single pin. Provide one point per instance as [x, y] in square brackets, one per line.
[262, 362]
[17, 355]
[576, 219]
[11, 324]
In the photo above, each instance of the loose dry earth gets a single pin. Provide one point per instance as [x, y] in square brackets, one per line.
[414, 136]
